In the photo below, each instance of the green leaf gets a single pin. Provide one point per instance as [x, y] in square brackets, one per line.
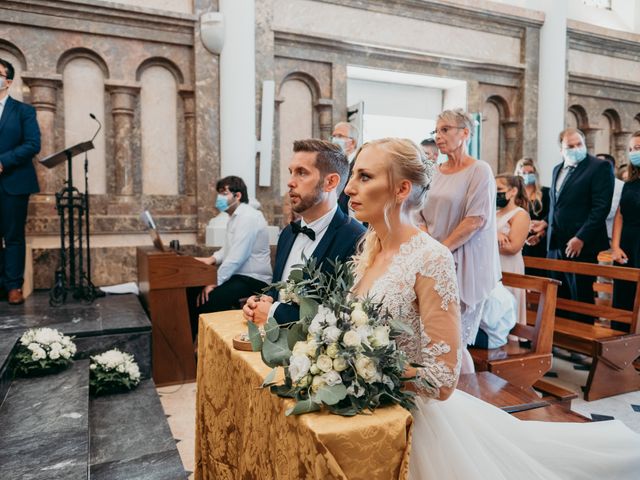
[295, 334]
[268, 381]
[272, 329]
[399, 327]
[331, 395]
[276, 354]
[296, 274]
[254, 337]
[308, 308]
[303, 406]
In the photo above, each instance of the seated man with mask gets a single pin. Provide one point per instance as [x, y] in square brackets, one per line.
[244, 262]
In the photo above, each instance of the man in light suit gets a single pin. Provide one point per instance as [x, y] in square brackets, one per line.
[19, 143]
[318, 172]
[580, 194]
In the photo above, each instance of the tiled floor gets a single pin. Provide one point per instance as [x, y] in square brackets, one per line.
[179, 405]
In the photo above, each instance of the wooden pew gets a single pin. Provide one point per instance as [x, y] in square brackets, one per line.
[522, 366]
[613, 351]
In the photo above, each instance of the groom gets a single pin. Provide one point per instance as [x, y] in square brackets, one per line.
[318, 171]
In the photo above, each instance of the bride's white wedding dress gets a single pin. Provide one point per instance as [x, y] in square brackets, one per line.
[463, 437]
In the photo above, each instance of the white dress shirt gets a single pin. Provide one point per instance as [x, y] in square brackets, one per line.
[2, 104]
[303, 247]
[562, 175]
[246, 246]
[615, 201]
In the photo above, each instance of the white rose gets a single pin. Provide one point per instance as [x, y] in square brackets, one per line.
[333, 349]
[300, 348]
[33, 347]
[358, 316]
[54, 354]
[38, 354]
[331, 319]
[364, 332]
[92, 366]
[332, 378]
[380, 336]
[298, 367]
[340, 364]
[316, 326]
[312, 348]
[56, 346]
[324, 362]
[304, 381]
[366, 368]
[65, 354]
[351, 339]
[314, 370]
[331, 334]
[317, 383]
[120, 368]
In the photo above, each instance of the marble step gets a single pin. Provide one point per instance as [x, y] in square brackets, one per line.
[44, 426]
[131, 439]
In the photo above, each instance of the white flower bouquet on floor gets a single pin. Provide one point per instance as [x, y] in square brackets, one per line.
[341, 354]
[42, 351]
[112, 372]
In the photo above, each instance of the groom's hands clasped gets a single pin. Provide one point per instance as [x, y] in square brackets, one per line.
[257, 309]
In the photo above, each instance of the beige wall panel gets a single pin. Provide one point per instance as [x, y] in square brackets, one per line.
[366, 27]
[603, 66]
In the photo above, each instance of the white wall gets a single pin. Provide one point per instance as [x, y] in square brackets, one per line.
[177, 6]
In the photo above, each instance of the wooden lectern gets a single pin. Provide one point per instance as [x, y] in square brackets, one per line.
[163, 278]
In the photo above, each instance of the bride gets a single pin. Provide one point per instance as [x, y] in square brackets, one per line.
[455, 435]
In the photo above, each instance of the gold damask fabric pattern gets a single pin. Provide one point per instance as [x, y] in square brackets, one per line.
[242, 431]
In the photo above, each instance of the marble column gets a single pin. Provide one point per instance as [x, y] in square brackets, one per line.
[123, 104]
[510, 129]
[189, 108]
[590, 138]
[324, 107]
[44, 97]
[621, 147]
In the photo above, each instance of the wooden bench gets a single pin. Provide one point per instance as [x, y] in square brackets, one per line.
[519, 365]
[613, 351]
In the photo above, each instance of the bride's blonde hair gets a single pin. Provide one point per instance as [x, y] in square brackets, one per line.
[406, 161]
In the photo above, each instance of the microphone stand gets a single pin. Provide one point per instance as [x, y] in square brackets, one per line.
[92, 291]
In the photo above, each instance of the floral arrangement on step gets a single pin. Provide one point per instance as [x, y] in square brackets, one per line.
[42, 351]
[113, 372]
[342, 353]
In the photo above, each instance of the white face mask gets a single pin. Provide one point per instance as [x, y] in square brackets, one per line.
[3, 83]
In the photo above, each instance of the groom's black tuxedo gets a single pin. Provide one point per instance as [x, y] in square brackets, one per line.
[338, 243]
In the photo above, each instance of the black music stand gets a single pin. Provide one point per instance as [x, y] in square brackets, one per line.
[73, 209]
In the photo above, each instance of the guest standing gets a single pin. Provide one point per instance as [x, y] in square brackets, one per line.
[617, 191]
[19, 143]
[461, 214]
[536, 244]
[346, 136]
[513, 227]
[581, 192]
[625, 244]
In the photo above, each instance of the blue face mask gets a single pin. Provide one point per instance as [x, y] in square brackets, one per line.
[574, 156]
[222, 203]
[634, 158]
[529, 178]
[341, 142]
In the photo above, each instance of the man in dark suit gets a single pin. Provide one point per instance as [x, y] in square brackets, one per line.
[580, 195]
[318, 172]
[346, 135]
[19, 143]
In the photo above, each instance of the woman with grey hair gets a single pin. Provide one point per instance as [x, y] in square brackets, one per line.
[461, 214]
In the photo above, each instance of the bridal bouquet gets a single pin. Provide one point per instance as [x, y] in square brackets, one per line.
[341, 354]
[113, 371]
[42, 351]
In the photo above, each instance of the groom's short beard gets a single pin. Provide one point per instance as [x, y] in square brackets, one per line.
[310, 200]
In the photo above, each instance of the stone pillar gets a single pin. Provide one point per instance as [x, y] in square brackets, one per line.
[621, 147]
[510, 129]
[590, 138]
[189, 105]
[123, 104]
[324, 107]
[44, 96]
[552, 82]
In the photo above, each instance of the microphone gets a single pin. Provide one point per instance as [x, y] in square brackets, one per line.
[99, 126]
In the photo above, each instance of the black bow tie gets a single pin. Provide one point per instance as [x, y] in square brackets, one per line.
[297, 228]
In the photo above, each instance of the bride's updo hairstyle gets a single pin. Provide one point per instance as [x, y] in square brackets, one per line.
[405, 161]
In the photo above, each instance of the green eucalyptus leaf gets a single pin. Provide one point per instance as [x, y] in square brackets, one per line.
[308, 308]
[399, 327]
[296, 334]
[296, 274]
[254, 337]
[268, 381]
[331, 395]
[272, 329]
[276, 353]
[303, 406]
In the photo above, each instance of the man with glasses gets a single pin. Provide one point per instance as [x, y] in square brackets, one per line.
[345, 135]
[19, 143]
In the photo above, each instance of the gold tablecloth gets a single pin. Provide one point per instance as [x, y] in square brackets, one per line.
[242, 431]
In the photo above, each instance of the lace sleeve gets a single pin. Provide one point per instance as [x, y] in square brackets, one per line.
[441, 352]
